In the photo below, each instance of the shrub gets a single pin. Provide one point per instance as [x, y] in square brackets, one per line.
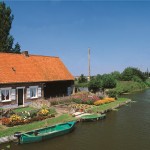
[15, 117]
[99, 102]
[61, 100]
[52, 111]
[109, 99]
[6, 121]
[94, 85]
[54, 103]
[112, 93]
[78, 101]
[104, 101]
[43, 112]
[89, 102]
[79, 107]
[33, 113]
[25, 115]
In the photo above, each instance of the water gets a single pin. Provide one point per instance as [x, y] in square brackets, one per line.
[125, 129]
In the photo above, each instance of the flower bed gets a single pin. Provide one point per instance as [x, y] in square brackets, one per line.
[85, 98]
[27, 117]
[81, 107]
[104, 101]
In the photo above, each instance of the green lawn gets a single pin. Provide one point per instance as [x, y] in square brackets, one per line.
[6, 131]
[109, 105]
[21, 109]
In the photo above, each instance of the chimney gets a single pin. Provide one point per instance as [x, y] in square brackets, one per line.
[25, 53]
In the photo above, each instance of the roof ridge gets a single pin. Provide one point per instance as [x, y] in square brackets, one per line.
[29, 54]
[43, 55]
[20, 68]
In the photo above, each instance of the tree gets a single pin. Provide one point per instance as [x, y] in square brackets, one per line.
[102, 82]
[82, 79]
[6, 18]
[17, 48]
[116, 75]
[130, 72]
[108, 82]
[94, 85]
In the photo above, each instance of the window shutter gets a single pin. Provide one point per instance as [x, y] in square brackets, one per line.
[39, 92]
[28, 93]
[0, 95]
[13, 94]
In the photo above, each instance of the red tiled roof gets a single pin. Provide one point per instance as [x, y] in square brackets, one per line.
[16, 68]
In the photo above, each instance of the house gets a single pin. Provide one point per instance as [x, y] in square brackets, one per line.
[25, 78]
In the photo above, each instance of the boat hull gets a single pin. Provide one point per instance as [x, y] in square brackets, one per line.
[92, 117]
[29, 137]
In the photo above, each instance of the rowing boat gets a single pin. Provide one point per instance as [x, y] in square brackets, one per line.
[45, 133]
[93, 117]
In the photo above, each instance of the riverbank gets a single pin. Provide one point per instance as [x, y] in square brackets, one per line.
[7, 132]
[130, 86]
[111, 106]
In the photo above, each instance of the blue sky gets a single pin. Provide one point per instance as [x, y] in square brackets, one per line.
[118, 33]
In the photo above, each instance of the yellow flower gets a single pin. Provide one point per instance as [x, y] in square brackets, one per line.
[43, 112]
[15, 117]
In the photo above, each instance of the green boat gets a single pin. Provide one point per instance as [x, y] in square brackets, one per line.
[93, 117]
[45, 133]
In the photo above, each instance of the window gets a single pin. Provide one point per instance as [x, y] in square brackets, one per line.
[5, 94]
[33, 92]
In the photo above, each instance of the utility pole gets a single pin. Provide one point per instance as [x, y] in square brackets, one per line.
[89, 69]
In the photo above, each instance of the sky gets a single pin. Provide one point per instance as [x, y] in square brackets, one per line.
[117, 33]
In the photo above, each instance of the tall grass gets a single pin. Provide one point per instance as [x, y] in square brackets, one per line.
[129, 86]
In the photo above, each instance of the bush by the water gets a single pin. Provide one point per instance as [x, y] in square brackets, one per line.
[129, 86]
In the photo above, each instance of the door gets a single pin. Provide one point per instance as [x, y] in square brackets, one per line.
[20, 97]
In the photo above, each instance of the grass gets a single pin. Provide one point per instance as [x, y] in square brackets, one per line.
[129, 86]
[109, 105]
[6, 131]
[21, 109]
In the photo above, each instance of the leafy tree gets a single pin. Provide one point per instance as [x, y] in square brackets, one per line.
[6, 18]
[136, 79]
[108, 81]
[129, 74]
[116, 75]
[82, 79]
[102, 82]
[94, 85]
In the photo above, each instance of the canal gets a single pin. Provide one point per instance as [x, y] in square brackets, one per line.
[125, 129]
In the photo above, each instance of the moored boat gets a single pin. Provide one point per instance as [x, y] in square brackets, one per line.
[93, 117]
[45, 133]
